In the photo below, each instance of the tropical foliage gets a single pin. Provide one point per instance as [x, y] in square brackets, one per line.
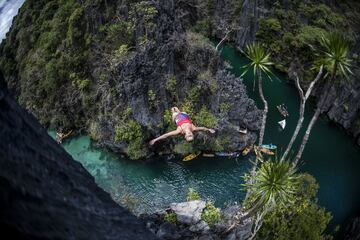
[334, 55]
[275, 183]
[301, 219]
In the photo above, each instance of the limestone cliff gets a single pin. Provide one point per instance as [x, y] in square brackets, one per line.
[115, 68]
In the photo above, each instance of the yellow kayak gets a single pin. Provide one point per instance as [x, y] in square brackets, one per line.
[191, 156]
[247, 150]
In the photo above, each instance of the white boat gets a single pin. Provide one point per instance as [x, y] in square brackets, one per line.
[282, 124]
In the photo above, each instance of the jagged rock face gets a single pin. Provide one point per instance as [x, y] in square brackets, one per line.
[163, 50]
[242, 18]
[45, 194]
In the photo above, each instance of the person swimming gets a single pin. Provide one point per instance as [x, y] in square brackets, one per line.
[184, 126]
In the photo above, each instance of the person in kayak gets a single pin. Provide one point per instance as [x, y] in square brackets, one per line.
[184, 126]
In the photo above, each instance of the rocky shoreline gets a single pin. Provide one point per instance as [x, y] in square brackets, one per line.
[189, 223]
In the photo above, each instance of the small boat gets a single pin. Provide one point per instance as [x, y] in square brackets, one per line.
[225, 154]
[282, 110]
[282, 123]
[247, 150]
[269, 146]
[208, 155]
[191, 156]
[266, 151]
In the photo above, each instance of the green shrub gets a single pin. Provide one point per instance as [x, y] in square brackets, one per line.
[128, 131]
[49, 41]
[269, 29]
[52, 78]
[184, 148]
[302, 219]
[197, 40]
[76, 25]
[211, 215]
[224, 108]
[171, 84]
[192, 195]
[209, 79]
[169, 121]
[205, 118]
[121, 52]
[135, 149]
[170, 217]
[153, 102]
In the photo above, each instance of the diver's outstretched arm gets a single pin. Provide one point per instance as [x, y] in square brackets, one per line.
[169, 134]
[203, 129]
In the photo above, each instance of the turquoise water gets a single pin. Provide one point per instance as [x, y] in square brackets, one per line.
[330, 156]
[152, 185]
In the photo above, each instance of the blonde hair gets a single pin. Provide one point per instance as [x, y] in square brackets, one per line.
[189, 136]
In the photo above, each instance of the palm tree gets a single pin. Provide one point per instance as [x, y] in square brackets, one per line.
[274, 183]
[303, 99]
[334, 57]
[259, 63]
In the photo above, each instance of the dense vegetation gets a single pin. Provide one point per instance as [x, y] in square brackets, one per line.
[67, 63]
[51, 53]
[302, 218]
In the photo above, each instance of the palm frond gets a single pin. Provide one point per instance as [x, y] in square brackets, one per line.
[259, 61]
[274, 183]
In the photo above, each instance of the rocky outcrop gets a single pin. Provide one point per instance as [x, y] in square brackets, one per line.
[188, 212]
[240, 16]
[189, 224]
[45, 194]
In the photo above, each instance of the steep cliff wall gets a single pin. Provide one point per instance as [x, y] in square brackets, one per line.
[115, 68]
[45, 194]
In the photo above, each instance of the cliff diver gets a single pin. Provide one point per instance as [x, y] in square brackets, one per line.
[184, 126]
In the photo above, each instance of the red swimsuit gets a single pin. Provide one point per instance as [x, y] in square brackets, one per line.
[182, 118]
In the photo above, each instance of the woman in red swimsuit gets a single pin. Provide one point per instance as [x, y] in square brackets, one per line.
[184, 126]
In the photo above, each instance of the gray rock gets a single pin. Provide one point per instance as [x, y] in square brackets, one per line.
[200, 227]
[244, 231]
[167, 231]
[231, 236]
[188, 212]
